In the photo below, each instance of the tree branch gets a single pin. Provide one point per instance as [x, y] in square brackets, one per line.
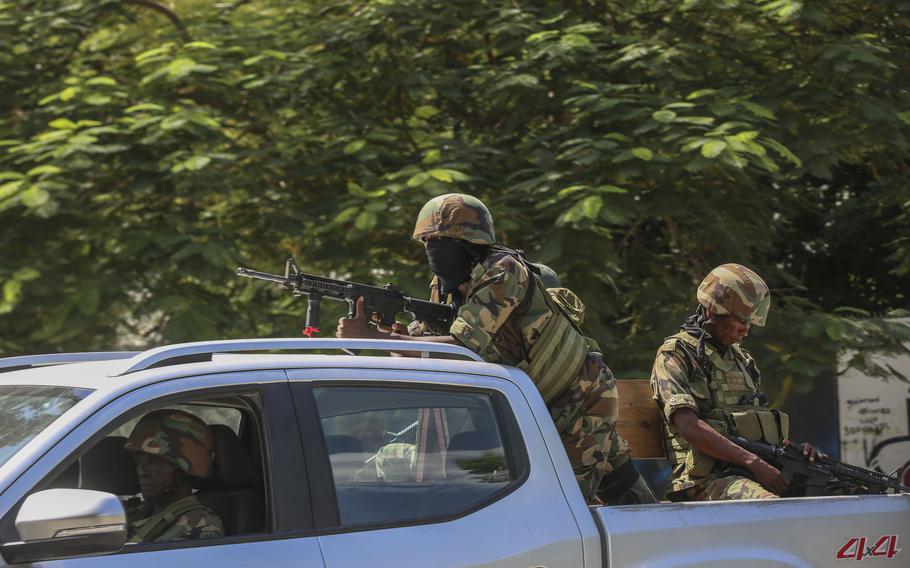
[174, 18]
[692, 259]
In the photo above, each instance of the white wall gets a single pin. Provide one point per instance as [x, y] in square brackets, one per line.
[874, 420]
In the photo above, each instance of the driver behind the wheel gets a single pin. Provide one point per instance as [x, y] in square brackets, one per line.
[170, 447]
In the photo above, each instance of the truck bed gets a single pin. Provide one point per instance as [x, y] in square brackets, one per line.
[808, 531]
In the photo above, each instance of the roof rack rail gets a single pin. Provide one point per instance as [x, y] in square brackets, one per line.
[191, 352]
[27, 361]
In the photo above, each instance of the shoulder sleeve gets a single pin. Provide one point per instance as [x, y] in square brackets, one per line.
[670, 379]
[493, 296]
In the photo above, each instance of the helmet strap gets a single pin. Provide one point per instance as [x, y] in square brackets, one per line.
[696, 325]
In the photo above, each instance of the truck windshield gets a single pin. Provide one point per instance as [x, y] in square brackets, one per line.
[27, 410]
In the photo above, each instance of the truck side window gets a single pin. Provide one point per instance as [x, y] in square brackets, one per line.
[401, 454]
[232, 490]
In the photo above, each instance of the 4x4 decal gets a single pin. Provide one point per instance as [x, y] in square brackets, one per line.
[860, 548]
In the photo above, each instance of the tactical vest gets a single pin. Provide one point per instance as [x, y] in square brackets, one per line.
[727, 395]
[556, 356]
[154, 526]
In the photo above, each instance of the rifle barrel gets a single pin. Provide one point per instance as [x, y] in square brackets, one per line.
[246, 272]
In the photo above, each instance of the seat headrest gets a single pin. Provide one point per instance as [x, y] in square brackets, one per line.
[108, 466]
[339, 444]
[232, 467]
[474, 440]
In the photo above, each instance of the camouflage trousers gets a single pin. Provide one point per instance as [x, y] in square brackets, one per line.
[585, 416]
[727, 488]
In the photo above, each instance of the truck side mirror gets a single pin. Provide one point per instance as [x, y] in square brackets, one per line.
[63, 523]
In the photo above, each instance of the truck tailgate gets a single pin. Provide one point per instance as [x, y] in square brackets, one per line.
[812, 531]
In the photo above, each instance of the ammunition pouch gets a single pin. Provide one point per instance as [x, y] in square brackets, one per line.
[752, 423]
[759, 424]
[556, 357]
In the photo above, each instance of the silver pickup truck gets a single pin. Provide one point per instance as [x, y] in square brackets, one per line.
[334, 460]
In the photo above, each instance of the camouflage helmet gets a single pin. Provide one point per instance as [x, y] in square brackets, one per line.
[456, 215]
[733, 289]
[177, 436]
[548, 276]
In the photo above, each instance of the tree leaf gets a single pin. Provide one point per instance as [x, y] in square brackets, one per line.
[34, 196]
[354, 146]
[700, 93]
[834, 329]
[9, 189]
[151, 53]
[46, 169]
[610, 189]
[193, 163]
[426, 111]
[97, 100]
[62, 124]
[642, 153]
[447, 176]
[6, 176]
[68, 93]
[345, 215]
[199, 45]
[418, 179]
[141, 107]
[26, 274]
[758, 110]
[575, 40]
[590, 206]
[11, 290]
[107, 81]
[663, 116]
[713, 148]
[180, 67]
[542, 36]
[365, 221]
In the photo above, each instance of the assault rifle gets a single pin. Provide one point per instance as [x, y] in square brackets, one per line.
[814, 476]
[386, 301]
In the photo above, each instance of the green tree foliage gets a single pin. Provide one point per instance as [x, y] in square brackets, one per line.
[146, 149]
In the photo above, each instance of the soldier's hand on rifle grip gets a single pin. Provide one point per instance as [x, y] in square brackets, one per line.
[809, 452]
[768, 475]
[398, 328]
[358, 327]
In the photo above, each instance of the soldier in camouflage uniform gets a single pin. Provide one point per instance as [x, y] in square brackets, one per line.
[708, 386]
[506, 315]
[169, 447]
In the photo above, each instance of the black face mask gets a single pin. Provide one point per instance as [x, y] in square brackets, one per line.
[451, 260]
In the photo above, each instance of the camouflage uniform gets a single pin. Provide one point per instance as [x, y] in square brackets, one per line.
[712, 382]
[185, 519]
[678, 381]
[585, 409]
[187, 443]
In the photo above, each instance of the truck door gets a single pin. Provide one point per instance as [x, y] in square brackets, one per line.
[421, 469]
[257, 487]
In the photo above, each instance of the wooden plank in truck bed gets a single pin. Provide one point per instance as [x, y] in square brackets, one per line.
[639, 418]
